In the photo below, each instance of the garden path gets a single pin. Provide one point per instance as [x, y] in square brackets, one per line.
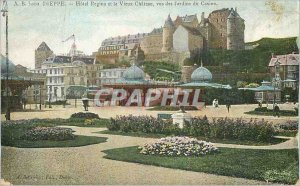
[86, 165]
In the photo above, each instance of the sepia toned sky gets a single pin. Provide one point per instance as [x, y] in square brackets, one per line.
[30, 25]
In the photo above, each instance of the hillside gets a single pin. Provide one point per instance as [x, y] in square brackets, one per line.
[255, 60]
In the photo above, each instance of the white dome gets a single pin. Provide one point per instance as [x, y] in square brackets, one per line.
[201, 74]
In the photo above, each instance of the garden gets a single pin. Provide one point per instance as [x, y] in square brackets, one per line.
[44, 133]
[270, 112]
[222, 130]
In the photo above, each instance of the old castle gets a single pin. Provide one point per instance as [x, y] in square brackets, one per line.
[178, 39]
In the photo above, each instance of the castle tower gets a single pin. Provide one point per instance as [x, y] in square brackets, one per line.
[235, 31]
[41, 54]
[168, 31]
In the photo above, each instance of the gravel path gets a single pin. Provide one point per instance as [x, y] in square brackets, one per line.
[86, 165]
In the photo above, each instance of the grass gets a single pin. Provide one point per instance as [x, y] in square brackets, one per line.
[77, 142]
[243, 163]
[11, 134]
[225, 141]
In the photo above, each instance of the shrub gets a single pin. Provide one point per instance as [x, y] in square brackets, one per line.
[261, 109]
[178, 146]
[289, 125]
[222, 128]
[225, 128]
[146, 124]
[85, 115]
[48, 133]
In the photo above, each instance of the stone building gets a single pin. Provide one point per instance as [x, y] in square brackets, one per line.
[184, 37]
[110, 48]
[41, 54]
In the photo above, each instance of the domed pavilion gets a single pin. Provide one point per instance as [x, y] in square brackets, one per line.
[202, 77]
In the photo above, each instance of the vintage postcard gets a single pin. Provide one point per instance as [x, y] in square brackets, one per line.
[149, 92]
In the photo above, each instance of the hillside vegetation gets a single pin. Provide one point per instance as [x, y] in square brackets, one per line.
[253, 61]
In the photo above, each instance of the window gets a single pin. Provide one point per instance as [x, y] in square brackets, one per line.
[50, 79]
[62, 79]
[55, 80]
[62, 71]
[50, 71]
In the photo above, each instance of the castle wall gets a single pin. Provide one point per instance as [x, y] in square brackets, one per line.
[195, 42]
[152, 44]
[235, 36]
[218, 23]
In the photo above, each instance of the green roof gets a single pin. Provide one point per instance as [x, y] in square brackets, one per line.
[205, 84]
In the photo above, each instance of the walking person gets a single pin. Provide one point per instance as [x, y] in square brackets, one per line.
[276, 110]
[228, 106]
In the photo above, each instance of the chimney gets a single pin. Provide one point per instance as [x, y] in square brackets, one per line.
[273, 55]
[236, 9]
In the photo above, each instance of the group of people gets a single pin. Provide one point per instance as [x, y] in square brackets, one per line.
[215, 104]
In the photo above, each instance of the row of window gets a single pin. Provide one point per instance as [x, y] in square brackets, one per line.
[109, 52]
[111, 47]
[56, 79]
[109, 74]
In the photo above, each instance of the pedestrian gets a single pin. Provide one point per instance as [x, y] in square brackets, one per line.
[276, 110]
[217, 103]
[228, 106]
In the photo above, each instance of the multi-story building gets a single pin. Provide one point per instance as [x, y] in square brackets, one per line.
[183, 38]
[110, 76]
[110, 47]
[63, 73]
[289, 69]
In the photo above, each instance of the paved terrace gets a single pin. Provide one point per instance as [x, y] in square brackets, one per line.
[57, 111]
[86, 165]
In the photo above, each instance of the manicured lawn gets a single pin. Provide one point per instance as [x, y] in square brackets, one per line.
[226, 141]
[244, 163]
[77, 142]
[12, 134]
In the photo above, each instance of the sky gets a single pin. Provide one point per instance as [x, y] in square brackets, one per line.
[30, 25]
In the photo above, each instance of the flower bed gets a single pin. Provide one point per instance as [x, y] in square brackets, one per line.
[178, 146]
[48, 133]
[223, 128]
[226, 128]
[85, 115]
[147, 124]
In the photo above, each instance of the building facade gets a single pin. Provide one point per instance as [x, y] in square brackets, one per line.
[222, 29]
[289, 69]
[110, 76]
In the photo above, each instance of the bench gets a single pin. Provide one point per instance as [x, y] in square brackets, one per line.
[164, 116]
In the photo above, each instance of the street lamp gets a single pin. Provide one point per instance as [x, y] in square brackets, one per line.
[4, 11]
[276, 81]
[298, 44]
[50, 92]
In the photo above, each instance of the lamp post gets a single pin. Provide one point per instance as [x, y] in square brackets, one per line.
[4, 11]
[298, 44]
[276, 80]
[50, 97]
